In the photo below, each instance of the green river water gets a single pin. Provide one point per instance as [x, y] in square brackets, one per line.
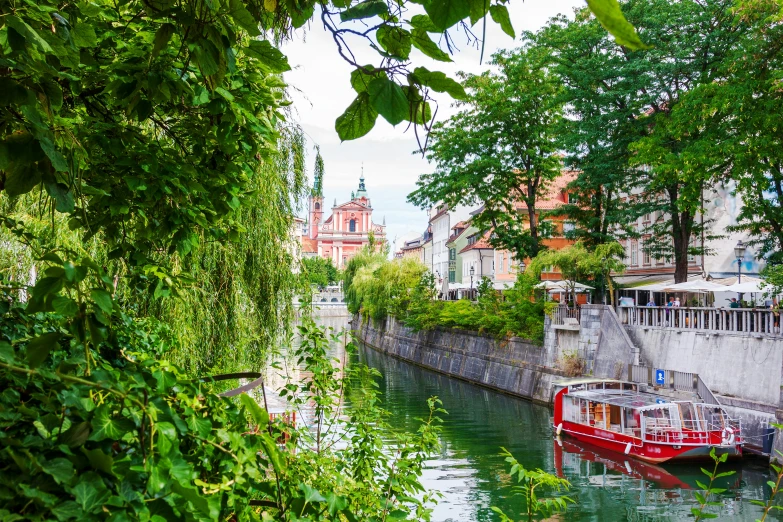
[472, 477]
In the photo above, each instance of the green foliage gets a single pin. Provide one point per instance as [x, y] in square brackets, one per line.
[703, 499]
[770, 505]
[378, 287]
[500, 149]
[319, 271]
[532, 480]
[95, 427]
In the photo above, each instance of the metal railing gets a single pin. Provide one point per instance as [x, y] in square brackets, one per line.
[563, 315]
[739, 320]
[681, 381]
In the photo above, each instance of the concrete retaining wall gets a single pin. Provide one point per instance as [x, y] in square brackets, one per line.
[516, 367]
[732, 365]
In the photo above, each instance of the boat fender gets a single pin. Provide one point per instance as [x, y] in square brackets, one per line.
[728, 437]
[628, 467]
[559, 428]
[627, 448]
[559, 441]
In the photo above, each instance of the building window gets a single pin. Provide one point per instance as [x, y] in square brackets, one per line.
[568, 226]
[352, 225]
[646, 256]
[500, 263]
[318, 206]
[452, 254]
[452, 276]
[634, 254]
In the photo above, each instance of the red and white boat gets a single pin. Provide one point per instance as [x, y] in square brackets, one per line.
[617, 416]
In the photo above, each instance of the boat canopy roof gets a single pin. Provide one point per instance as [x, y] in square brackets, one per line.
[623, 398]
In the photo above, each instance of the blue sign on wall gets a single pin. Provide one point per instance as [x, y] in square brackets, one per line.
[659, 377]
[660, 401]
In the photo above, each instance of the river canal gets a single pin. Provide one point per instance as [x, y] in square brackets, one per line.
[472, 476]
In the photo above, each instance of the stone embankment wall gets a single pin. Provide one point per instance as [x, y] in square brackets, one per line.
[516, 366]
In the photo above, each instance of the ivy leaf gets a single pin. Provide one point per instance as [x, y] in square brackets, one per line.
[77, 435]
[99, 460]
[243, 17]
[104, 426]
[445, 13]
[103, 299]
[366, 9]
[422, 41]
[260, 415]
[162, 37]
[610, 15]
[90, 493]
[60, 469]
[38, 349]
[270, 57]
[499, 14]
[335, 503]
[439, 82]
[389, 100]
[201, 426]
[395, 41]
[357, 120]
[67, 510]
[7, 353]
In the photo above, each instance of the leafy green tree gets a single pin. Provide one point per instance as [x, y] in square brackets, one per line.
[627, 108]
[602, 123]
[569, 262]
[319, 271]
[602, 263]
[500, 150]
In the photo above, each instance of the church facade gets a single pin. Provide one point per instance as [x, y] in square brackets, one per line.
[346, 231]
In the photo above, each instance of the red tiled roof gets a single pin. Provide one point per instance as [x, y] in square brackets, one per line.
[481, 244]
[309, 245]
[439, 214]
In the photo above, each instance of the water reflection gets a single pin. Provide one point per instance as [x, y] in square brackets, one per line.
[473, 476]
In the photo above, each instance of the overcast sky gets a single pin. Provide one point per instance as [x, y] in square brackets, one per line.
[321, 91]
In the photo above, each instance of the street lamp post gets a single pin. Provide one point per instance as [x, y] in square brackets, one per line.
[472, 271]
[739, 253]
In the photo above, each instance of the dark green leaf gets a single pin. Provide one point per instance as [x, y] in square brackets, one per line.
[395, 41]
[104, 426]
[7, 353]
[389, 100]
[65, 306]
[269, 56]
[422, 41]
[60, 469]
[162, 37]
[57, 159]
[76, 435]
[63, 197]
[260, 415]
[103, 299]
[357, 120]
[610, 15]
[361, 78]
[84, 35]
[90, 493]
[366, 9]
[424, 23]
[499, 14]
[28, 33]
[243, 17]
[439, 82]
[22, 179]
[445, 13]
[99, 460]
[38, 349]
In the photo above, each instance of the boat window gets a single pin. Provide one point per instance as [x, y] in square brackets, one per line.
[690, 421]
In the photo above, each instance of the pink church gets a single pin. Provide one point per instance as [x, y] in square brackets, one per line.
[343, 234]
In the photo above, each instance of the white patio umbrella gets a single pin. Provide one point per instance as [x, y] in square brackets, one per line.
[750, 287]
[563, 285]
[700, 287]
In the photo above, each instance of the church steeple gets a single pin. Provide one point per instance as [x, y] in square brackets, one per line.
[362, 192]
